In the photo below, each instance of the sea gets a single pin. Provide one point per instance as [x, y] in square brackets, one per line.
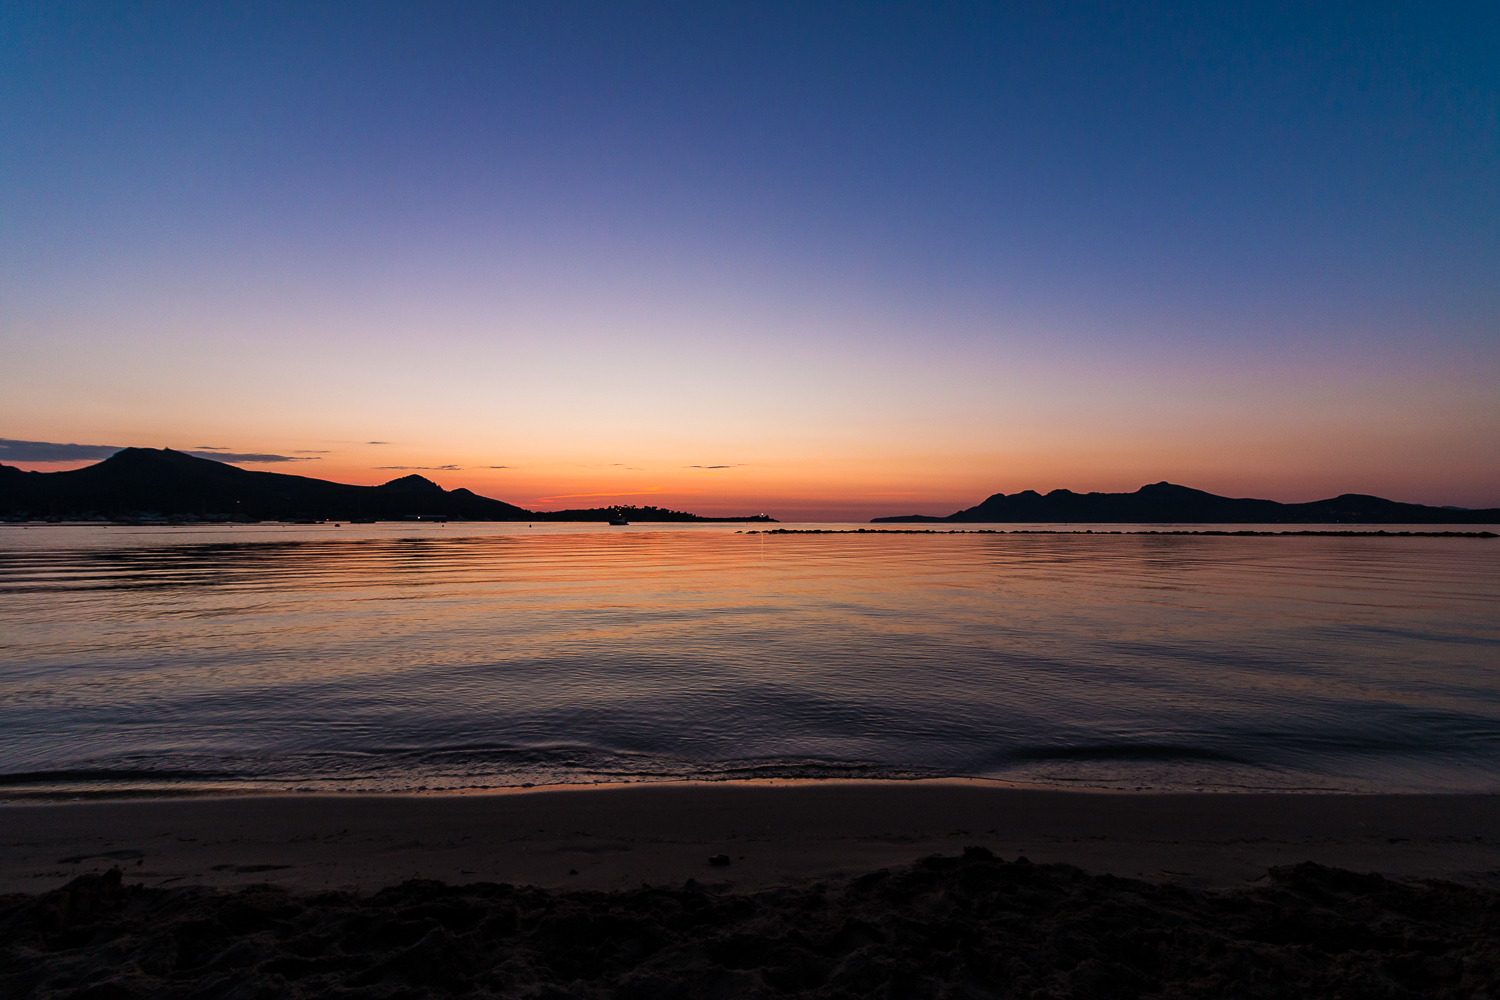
[158, 660]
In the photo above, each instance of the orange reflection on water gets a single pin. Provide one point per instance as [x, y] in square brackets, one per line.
[386, 657]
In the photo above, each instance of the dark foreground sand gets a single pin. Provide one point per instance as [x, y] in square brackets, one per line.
[663, 834]
[1180, 895]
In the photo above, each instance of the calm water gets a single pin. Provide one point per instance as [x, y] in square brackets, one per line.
[395, 657]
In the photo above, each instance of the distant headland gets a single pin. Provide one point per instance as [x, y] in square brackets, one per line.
[150, 483]
[1161, 503]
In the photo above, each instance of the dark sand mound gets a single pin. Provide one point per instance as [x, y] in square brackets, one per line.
[974, 926]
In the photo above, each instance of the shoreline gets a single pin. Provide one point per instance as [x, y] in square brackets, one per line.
[602, 838]
[20, 794]
[10, 798]
[23, 794]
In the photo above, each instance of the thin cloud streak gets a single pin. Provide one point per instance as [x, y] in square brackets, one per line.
[50, 451]
[250, 458]
[425, 468]
[47, 451]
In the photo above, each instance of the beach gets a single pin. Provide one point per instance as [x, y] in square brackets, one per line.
[775, 834]
[953, 888]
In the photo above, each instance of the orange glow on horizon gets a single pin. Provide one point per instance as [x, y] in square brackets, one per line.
[649, 491]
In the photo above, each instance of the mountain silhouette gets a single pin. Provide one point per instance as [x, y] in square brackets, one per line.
[168, 482]
[136, 481]
[412, 484]
[1168, 503]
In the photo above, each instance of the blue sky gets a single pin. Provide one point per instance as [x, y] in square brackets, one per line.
[846, 250]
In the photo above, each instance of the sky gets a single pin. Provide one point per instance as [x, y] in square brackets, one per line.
[822, 260]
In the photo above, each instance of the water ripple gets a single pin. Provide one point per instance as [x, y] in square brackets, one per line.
[476, 656]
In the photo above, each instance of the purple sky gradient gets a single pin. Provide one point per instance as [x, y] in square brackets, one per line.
[867, 258]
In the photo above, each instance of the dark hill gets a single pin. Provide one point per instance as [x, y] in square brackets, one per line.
[1166, 503]
[411, 484]
[167, 482]
[139, 481]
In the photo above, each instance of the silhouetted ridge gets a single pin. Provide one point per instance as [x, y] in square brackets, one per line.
[1168, 503]
[414, 484]
[170, 483]
[137, 482]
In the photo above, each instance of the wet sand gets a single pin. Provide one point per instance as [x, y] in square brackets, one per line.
[777, 834]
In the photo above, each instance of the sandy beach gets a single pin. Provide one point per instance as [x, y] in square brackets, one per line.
[931, 889]
[663, 834]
